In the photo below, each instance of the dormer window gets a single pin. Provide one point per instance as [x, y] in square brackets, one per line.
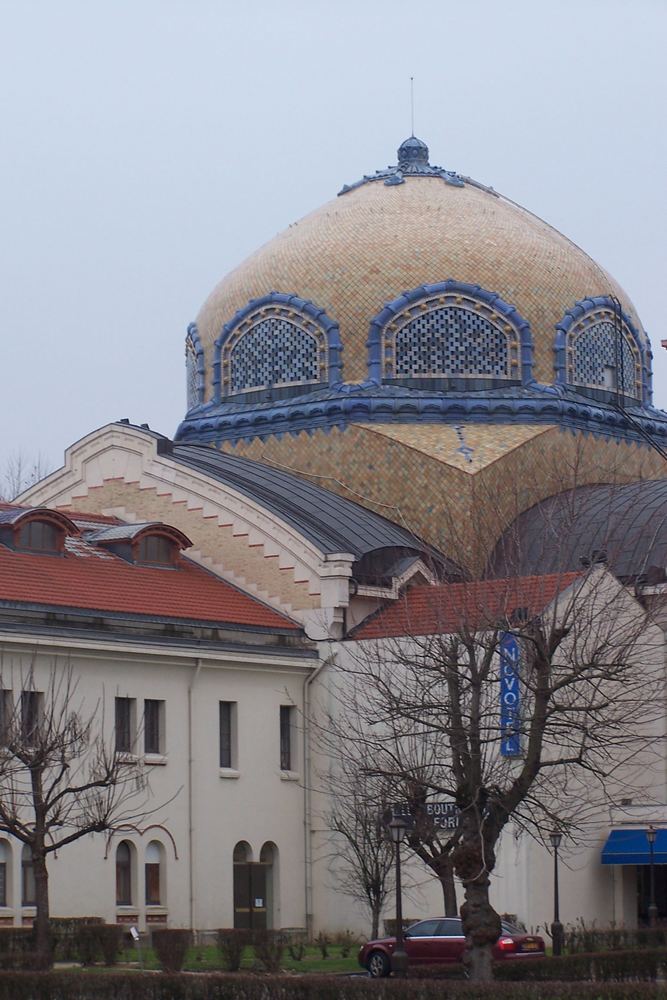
[156, 549]
[35, 530]
[146, 544]
[40, 536]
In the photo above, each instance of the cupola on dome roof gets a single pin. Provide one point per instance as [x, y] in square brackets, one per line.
[413, 149]
[415, 280]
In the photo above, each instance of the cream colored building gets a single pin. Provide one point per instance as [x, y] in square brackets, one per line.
[419, 382]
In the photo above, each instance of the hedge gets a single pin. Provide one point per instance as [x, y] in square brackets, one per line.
[580, 938]
[163, 986]
[610, 966]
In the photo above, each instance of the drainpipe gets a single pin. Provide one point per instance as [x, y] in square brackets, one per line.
[191, 863]
[307, 793]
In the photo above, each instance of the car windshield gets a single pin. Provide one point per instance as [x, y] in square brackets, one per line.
[509, 928]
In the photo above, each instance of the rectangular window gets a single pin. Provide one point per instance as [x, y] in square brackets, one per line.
[228, 734]
[3, 883]
[153, 726]
[286, 737]
[124, 723]
[152, 884]
[6, 712]
[31, 704]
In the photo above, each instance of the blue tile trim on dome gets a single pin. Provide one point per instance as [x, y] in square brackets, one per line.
[195, 368]
[413, 161]
[295, 322]
[571, 320]
[372, 403]
[490, 307]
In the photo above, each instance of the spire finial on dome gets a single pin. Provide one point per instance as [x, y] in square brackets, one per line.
[413, 161]
[412, 107]
[412, 151]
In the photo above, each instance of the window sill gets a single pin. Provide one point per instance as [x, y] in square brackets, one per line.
[229, 772]
[289, 776]
[158, 759]
[123, 757]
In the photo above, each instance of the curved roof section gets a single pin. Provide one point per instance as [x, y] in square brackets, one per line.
[624, 524]
[332, 523]
[130, 532]
[361, 250]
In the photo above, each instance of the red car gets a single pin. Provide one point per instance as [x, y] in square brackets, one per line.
[441, 941]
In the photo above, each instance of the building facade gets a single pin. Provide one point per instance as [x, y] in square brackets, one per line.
[419, 382]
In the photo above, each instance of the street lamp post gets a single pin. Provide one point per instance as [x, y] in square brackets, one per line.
[556, 928]
[399, 959]
[652, 908]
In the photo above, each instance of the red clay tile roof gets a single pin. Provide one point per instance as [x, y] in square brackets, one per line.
[449, 607]
[80, 580]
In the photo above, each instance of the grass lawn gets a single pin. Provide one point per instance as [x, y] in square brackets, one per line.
[206, 958]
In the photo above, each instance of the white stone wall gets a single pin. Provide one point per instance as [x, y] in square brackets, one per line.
[190, 802]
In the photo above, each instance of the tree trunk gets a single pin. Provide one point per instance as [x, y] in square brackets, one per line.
[42, 926]
[474, 858]
[375, 921]
[440, 863]
[481, 926]
[446, 877]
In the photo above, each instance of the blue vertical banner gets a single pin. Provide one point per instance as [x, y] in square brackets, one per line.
[510, 696]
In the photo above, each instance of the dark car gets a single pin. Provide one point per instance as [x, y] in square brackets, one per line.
[440, 941]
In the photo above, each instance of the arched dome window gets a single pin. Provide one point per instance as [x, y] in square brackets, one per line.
[279, 345]
[154, 869]
[125, 873]
[194, 368]
[599, 351]
[454, 335]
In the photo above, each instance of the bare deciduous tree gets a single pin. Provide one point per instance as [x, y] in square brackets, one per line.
[362, 851]
[59, 778]
[423, 707]
[19, 473]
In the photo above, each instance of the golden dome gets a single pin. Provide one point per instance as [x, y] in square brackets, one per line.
[376, 240]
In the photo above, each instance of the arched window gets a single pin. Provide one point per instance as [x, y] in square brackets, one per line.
[599, 351]
[5, 872]
[244, 885]
[242, 853]
[451, 334]
[602, 355]
[280, 344]
[154, 874]
[268, 858]
[124, 873]
[40, 536]
[28, 893]
[156, 549]
[194, 368]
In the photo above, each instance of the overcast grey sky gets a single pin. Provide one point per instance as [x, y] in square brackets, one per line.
[148, 146]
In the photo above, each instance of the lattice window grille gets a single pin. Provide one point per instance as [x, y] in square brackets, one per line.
[592, 353]
[274, 347]
[191, 379]
[451, 336]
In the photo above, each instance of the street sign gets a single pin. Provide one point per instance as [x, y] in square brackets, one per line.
[443, 815]
[510, 696]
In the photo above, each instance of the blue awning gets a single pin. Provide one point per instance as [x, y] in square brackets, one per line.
[630, 847]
